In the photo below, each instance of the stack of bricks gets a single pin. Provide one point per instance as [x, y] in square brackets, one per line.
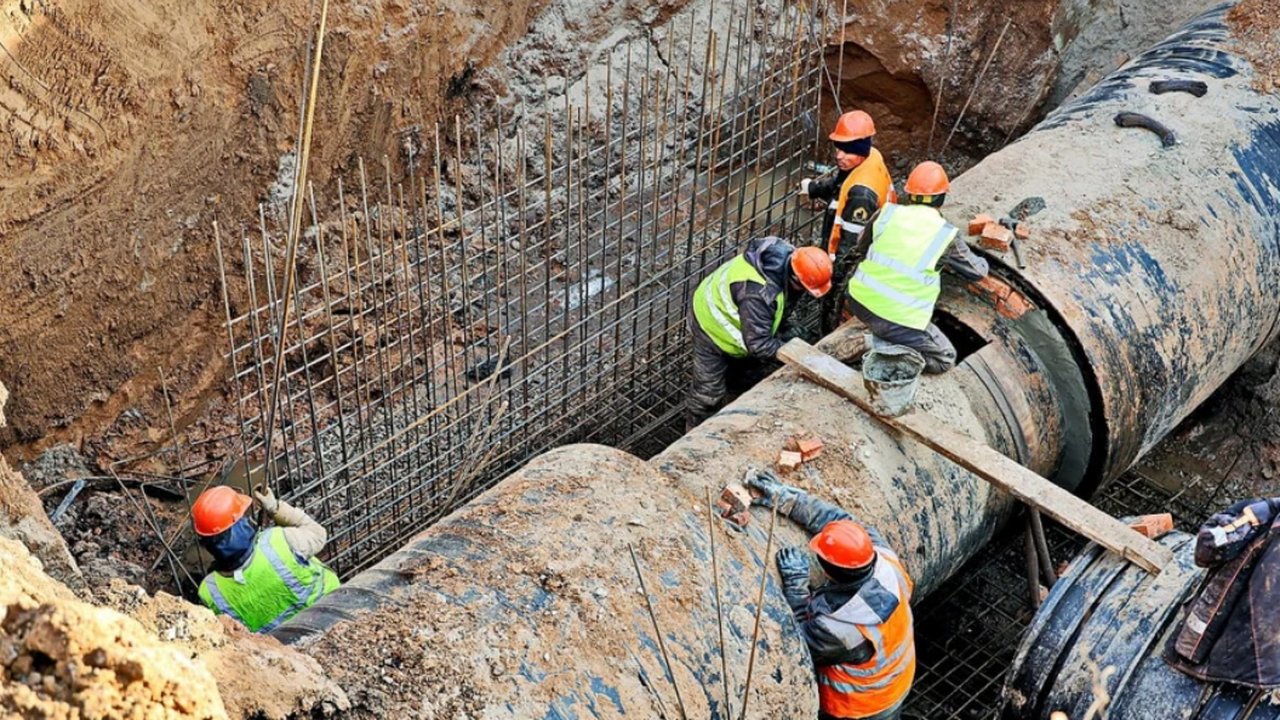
[799, 450]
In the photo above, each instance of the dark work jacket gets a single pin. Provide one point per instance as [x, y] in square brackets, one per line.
[757, 304]
[826, 648]
[1244, 639]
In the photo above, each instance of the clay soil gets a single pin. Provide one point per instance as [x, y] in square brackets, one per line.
[131, 127]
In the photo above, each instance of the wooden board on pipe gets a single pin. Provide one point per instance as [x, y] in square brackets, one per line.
[986, 463]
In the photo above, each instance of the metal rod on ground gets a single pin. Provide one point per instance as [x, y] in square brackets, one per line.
[173, 556]
[755, 630]
[295, 223]
[1047, 575]
[995, 50]
[1033, 564]
[715, 578]
[644, 680]
[662, 644]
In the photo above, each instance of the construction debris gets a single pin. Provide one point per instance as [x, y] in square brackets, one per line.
[1153, 526]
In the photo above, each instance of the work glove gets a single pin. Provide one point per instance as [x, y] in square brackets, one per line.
[770, 492]
[266, 499]
[794, 332]
[804, 186]
[793, 566]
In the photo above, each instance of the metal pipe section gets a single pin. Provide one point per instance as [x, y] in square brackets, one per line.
[1152, 276]
[1107, 615]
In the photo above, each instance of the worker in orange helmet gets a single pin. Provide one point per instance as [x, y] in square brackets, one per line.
[739, 311]
[862, 186]
[858, 625]
[259, 578]
[897, 281]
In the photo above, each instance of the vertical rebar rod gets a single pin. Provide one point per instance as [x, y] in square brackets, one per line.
[295, 229]
[715, 580]
[657, 631]
[755, 630]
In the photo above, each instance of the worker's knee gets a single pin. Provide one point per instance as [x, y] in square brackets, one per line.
[938, 364]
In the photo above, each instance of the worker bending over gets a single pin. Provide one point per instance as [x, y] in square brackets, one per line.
[860, 188]
[260, 578]
[897, 282]
[739, 309]
[858, 625]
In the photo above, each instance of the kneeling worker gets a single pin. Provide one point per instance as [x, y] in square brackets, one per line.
[858, 625]
[260, 578]
[739, 308]
[897, 281]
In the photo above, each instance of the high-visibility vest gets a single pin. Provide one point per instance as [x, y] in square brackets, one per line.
[273, 587]
[899, 281]
[873, 174]
[716, 311]
[857, 691]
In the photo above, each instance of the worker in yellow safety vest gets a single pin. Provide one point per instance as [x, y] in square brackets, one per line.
[858, 623]
[897, 281]
[861, 186]
[739, 311]
[260, 578]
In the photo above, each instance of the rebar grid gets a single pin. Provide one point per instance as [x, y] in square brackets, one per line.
[968, 631]
[506, 295]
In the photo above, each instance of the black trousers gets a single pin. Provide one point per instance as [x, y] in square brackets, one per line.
[713, 374]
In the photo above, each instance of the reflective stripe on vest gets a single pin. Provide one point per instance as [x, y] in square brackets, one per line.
[273, 587]
[899, 281]
[872, 174]
[716, 311]
[854, 691]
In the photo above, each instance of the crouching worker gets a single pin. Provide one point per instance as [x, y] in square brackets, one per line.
[858, 624]
[898, 255]
[260, 577]
[739, 311]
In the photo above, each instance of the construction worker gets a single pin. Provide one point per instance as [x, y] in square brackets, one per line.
[858, 625]
[861, 187]
[260, 578]
[739, 309]
[897, 282]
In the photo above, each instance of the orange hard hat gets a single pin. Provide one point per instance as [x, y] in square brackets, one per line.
[853, 125]
[928, 179]
[845, 544]
[812, 267]
[217, 509]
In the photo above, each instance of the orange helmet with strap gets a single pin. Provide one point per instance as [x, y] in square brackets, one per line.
[812, 267]
[845, 544]
[928, 178]
[217, 509]
[853, 125]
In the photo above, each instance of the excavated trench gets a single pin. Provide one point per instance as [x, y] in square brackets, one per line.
[896, 73]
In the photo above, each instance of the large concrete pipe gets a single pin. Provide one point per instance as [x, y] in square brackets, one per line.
[1106, 615]
[1152, 275]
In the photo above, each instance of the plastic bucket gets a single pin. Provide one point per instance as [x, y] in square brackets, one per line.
[891, 374]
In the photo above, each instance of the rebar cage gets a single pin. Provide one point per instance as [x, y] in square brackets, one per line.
[508, 293]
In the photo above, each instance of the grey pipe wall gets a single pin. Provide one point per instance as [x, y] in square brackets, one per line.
[1152, 276]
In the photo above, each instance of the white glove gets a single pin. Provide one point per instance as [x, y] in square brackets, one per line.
[266, 499]
[804, 186]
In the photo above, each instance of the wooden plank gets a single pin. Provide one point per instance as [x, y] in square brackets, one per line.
[1004, 473]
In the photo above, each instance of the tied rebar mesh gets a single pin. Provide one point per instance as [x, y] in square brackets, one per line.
[512, 292]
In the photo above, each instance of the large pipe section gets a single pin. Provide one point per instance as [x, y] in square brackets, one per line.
[1107, 615]
[1152, 275]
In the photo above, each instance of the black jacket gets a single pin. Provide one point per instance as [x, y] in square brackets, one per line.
[757, 304]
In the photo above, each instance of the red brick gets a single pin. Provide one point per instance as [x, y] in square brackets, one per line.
[1153, 526]
[1022, 231]
[788, 460]
[996, 237]
[979, 222]
[810, 448]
